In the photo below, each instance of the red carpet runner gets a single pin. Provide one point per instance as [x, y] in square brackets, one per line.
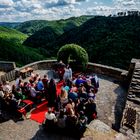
[39, 113]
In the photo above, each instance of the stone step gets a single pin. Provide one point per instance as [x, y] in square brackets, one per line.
[135, 88]
[136, 76]
[137, 69]
[135, 100]
[134, 84]
[134, 91]
[136, 80]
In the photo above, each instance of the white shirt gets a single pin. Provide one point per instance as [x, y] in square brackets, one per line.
[50, 116]
[7, 88]
[33, 92]
[1, 94]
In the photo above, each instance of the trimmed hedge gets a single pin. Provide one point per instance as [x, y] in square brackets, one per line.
[73, 52]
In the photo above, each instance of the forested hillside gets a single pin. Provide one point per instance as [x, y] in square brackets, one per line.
[111, 41]
[12, 49]
[63, 25]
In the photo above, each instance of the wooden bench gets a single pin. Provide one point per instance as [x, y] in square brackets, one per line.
[26, 72]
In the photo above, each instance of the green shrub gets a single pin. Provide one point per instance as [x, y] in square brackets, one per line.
[74, 53]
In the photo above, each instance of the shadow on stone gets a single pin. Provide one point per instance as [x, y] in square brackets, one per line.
[119, 107]
[43, 134]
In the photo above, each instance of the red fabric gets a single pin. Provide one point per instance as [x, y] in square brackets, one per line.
[28, 103]
[39, 113]
[58, 87]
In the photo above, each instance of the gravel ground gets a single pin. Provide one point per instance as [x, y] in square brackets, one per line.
[110, 101]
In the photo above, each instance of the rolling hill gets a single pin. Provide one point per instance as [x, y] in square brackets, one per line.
[30, 27]
[12, 49]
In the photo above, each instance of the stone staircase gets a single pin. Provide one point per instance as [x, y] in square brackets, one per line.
[134, 88]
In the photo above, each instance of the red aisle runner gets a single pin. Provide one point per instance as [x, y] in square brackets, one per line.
[39, 113]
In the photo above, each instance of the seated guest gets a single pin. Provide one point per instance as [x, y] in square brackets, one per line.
[95, 82]
[40, 85]
[91, 94]
[26, 89]
[45, 81]
[82, 92]
[74, 88]
[17, 81]
[7, 87]
[71, 123]
[36, 77]
[34, 94]
[82, 122]
[73, 96]
[88, 85]
[90, 111]
[1, 92]
[61, 119]
[79, 81]
[19, 95]
[1, 98]
[65, 87]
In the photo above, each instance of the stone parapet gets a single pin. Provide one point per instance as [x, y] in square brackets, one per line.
[92, 67]
[116, 73]
[7, 66]
[107, 70]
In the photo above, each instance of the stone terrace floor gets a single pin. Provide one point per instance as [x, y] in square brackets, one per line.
[110, 102]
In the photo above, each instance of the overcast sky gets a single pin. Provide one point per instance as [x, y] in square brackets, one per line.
[23, 10]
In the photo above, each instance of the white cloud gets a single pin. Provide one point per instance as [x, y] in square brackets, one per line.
[21, 10]
[127, 4]
[6, 3]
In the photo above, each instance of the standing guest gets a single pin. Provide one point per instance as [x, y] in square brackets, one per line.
[70, 72]
[66, 74]
[61, 69]
[52, 95]
[50, 119]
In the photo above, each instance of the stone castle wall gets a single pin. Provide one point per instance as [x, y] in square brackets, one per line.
[7, 66]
